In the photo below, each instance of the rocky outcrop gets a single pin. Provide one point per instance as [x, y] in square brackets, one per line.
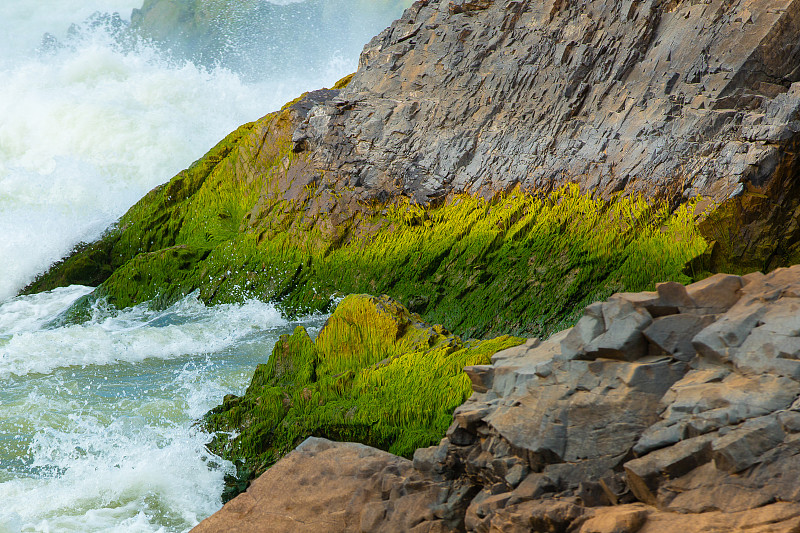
[667, 99]
[670, 100]
[342, 486]
[671, 410]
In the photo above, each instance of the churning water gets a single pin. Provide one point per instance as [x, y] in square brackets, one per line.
[97, 419]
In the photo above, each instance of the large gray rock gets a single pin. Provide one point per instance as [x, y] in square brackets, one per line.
[559, 438]
[667, 100]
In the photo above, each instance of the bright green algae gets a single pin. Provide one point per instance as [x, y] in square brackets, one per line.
[376, 374]
[519, 263]
[253, 219]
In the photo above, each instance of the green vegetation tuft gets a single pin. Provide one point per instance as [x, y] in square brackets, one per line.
[376, 374]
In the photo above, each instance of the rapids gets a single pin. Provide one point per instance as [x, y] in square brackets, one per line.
[97, 420]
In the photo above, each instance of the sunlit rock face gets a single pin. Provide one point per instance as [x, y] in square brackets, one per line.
[665, 99]
[661, 98]
[690, 428]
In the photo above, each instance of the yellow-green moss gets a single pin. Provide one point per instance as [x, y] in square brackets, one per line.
[519, 264]
[344, 82]
[376, 374]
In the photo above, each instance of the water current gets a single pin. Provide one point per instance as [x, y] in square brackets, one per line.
[97, 420]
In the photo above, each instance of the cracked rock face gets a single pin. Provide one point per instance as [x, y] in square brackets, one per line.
[694, 427]
[667, 99]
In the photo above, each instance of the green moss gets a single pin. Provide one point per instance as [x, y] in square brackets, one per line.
[160, 277]
[344, 82]
[519, 264]
[254, 219]
[376, 374]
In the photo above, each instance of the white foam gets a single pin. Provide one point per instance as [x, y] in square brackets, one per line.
[131, 335]
[112, 466]
[87, 132]
[31, 313]
[97, 428]
[23, 22]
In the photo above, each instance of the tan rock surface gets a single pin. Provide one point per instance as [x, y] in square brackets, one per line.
[323, 486]
[570, 440]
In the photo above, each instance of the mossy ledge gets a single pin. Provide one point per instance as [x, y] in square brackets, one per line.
[255, 219]
[376, 374]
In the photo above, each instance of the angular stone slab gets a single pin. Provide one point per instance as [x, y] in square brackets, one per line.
[673, 334]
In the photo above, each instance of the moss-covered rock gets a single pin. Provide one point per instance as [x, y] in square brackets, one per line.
[254, 219]
[376, 374]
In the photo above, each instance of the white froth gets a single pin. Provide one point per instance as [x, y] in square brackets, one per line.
[129, 336]
[30, 313]
[87, 132]
[113, 469]
[97, 427]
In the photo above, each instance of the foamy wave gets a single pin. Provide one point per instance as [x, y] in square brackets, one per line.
[98, 419]
[131, 336]
[113, 464]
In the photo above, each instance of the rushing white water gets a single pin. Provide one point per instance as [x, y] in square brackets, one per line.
[97, 420]
[88, 130]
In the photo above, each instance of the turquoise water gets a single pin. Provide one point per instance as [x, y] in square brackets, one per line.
[97, 421]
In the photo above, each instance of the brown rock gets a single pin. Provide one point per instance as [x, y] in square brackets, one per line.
[326, 486]
[644, 475]
[715, 294]
[774, 518]
[673, 297]
[624, 519]
[481, 377]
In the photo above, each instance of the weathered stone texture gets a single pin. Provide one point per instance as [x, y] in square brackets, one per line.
[560, 436]
[668, 99]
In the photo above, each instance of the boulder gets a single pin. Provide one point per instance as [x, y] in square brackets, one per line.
[328, 486]
[553, 442]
